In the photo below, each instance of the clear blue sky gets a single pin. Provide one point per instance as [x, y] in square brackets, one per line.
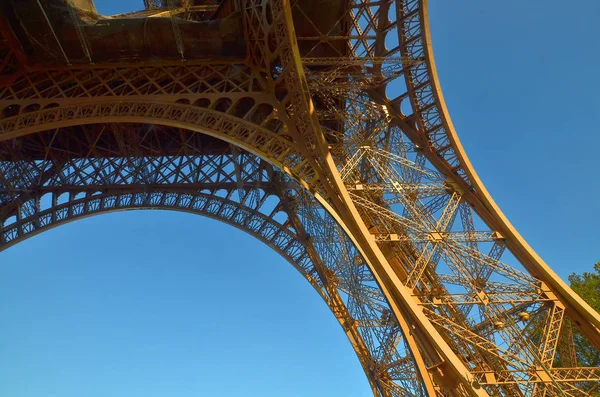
[156, 304]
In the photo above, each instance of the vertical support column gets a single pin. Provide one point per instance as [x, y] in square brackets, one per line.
[304, 127]
[551, 334]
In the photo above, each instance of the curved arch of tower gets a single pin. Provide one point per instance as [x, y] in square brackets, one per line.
[318, 127]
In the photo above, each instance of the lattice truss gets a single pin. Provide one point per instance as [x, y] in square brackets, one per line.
[508, 327]
[232, 186]
[328, 110]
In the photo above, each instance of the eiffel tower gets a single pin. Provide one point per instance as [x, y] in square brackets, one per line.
[318, 127]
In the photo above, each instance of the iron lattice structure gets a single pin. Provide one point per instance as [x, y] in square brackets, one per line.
[317, 126]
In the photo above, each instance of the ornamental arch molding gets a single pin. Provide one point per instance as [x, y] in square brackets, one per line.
[250, 131]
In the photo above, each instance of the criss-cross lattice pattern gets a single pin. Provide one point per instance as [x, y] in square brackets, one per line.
[331, 143]
[499, 318]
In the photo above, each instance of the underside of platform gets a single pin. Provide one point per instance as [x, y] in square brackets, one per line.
[52, 33]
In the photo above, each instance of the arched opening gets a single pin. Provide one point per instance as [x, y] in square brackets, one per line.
[148, 178]
[154, 303]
